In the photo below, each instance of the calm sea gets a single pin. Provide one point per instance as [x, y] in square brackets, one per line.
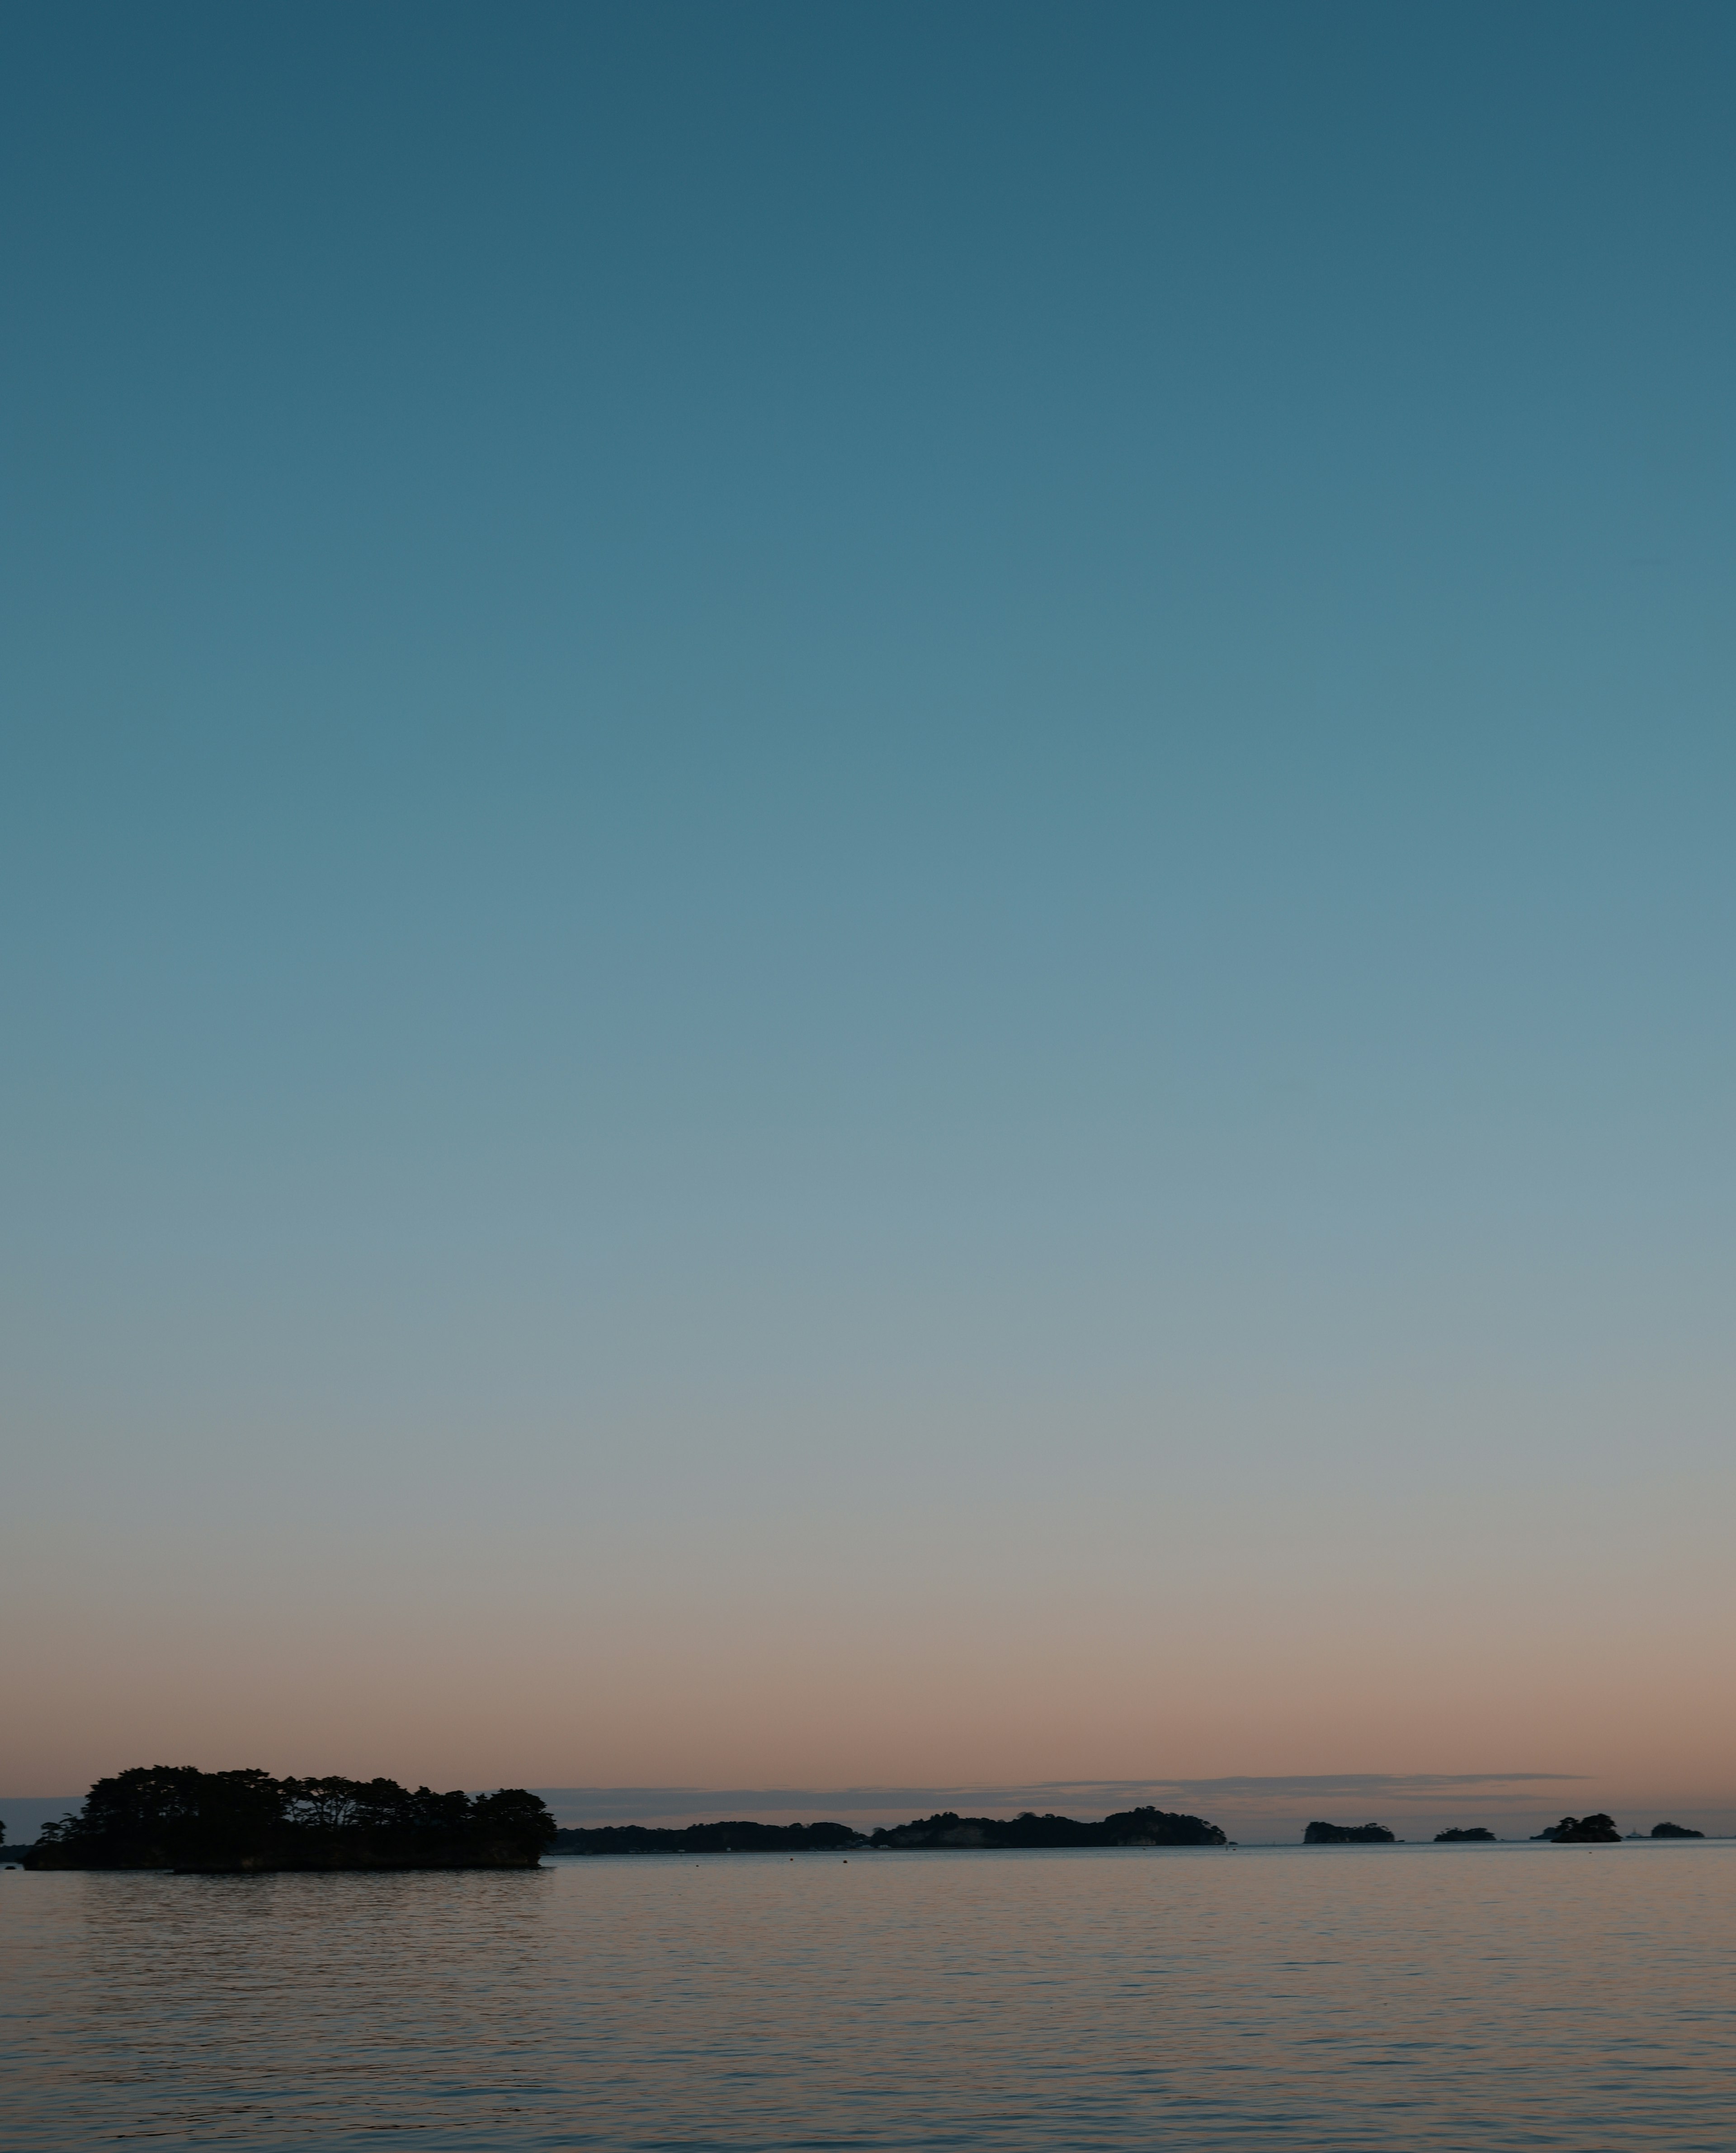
[1327, 1998]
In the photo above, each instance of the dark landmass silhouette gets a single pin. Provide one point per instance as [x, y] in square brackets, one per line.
[178, 1818]
[168, 1816]
[1595, 1830]
[739, 1837]
[1140, 1827]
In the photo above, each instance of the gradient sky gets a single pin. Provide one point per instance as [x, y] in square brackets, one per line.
[867, 881]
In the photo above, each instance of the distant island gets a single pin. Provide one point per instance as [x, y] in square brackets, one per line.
[1675, 1831]
[1140, 1827]
[1596, 1830]
[1478, 1831]
[165, 1816]
[946, 1829]
[1348, 1835]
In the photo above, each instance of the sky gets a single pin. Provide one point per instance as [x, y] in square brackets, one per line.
[865, 897]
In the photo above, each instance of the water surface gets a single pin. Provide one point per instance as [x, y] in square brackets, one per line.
[1324, 1999]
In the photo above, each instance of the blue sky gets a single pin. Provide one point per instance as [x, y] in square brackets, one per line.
[849, 822]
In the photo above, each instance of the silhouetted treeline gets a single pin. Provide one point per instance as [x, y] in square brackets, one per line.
[734, 1838]
[1146, 1827]
[1596, 1831]
[1469, 1832]
[1675, 1831]
[1142, 1827]
[166, 1816]
[1347, 1835]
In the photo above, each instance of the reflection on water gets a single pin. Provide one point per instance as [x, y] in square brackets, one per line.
[1324, 1999]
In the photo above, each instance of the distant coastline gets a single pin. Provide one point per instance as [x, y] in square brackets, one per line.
[178, 1818]
[946, 1829]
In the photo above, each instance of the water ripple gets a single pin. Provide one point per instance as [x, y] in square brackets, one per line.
[1514, 1999]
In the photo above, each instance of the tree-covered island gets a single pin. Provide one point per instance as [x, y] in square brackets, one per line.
[1140, 1827]
[1595, 1830]
[168, 1816]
